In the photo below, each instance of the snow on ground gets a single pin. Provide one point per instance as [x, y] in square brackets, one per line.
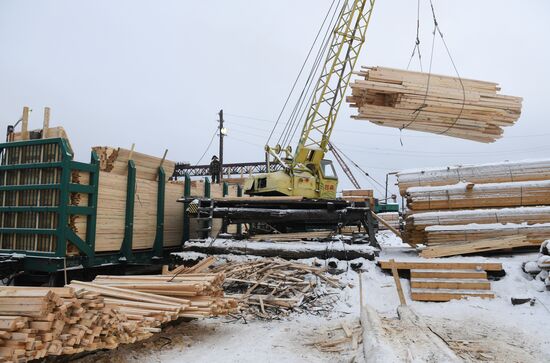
[480, 330]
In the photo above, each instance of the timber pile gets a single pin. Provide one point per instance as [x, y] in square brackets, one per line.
[533, 235]
[359, 196]
[273, 288]
[505, 172]
[469, 195]
[540, 269]
[37, 322]
[392, 218]
[416, 223]
[445, 281]
[466, 209]
[466, 109]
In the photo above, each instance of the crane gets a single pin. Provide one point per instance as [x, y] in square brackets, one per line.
[344, 165]
[306, 172]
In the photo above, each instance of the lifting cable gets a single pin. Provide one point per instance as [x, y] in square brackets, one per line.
[300, 73]
[416, 48]
[208, 147]
[360, 169]
[436, 31]
[307, 92]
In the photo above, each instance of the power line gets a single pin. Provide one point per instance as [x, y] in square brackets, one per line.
[208, 147]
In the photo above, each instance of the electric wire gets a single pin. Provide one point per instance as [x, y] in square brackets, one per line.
[208, 147]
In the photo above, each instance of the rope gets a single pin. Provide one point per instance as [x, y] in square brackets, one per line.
[208, 147]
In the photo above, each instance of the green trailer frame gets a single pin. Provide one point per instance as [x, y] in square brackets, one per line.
[49, 262]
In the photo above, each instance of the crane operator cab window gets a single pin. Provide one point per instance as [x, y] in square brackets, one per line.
[327, 168]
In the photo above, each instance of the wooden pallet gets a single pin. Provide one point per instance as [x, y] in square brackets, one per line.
[445, 281]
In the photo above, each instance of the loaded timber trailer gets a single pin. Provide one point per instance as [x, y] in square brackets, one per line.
[37, 242]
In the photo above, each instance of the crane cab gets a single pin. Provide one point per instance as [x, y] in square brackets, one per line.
[302, 182]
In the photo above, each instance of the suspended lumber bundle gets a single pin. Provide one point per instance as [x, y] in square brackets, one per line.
[462, 108]
[470, 195]
[533, 235]
[416, 223]
[503, 172]
[359, 196]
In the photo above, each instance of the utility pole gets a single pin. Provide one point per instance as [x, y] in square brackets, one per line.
[222, 134]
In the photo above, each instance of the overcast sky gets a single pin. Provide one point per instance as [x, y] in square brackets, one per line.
[155, 73]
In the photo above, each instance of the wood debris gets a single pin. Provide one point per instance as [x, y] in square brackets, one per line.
[343, 338]
[462, 108]
[273, 288]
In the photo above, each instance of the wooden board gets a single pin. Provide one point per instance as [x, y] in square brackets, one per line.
[416, 265]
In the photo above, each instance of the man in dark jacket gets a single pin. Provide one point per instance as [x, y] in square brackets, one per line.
[215, 169]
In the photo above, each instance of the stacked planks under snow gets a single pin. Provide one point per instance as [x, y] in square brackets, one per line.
[462, 108]
[477, 208]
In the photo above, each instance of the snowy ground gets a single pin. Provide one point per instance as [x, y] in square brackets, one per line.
[478, 330]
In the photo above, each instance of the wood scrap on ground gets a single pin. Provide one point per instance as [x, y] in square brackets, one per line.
[273, 288]
[343, 338]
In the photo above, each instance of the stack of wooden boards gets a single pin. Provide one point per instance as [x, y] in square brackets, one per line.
[37, 322]
[462, 108]
[359, 196]
[477, 208]
[445, 281]
[392, 218]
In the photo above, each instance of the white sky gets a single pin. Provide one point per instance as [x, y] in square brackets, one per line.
[155, 73]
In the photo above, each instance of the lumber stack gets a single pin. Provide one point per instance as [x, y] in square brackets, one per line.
[503, 172]
[38, 322]
[445, 281]
[392, 218]
[462, 108]
[489, 207]
[416, 223]
[469, 195]
[540, 268]
[359, 196]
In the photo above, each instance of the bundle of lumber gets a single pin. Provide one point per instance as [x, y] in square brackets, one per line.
[359, 196]
[391, 218]
[533, 235]
[445, 280]
[470, 195]
[416, 223]
[540, 268]
[272, 288]
[503, 172]
[462, 108]
[201, 292]
[36, 322]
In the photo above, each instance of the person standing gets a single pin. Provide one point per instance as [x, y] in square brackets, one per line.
[215, 169]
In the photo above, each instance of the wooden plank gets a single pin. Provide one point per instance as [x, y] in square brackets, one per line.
[398, 286]
[454, 284]
[449, 274]
[447, 295]
[417, 265]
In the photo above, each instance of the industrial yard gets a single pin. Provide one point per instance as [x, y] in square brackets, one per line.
[313, 181]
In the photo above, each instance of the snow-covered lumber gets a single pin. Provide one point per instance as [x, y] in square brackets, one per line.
[416, 223]
[469, 195]
[286, 250]
[503, 172]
